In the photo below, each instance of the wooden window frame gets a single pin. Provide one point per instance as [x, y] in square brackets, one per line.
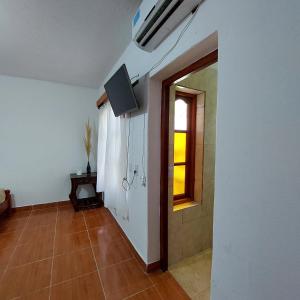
[189, 163]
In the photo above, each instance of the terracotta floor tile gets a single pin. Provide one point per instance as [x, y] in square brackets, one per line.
[8, 225]
[90, 212]
[104, 234]
[27, 244]
[73, 264]
[65, 243]
[102, 212]
[38, 295]
[87, 287]
[15, 220]
[44, 211]
[30, 252]
[149, 294]
[105, 214]
[167, 286]
[15, 215]
[98, 219]
[124, 279]
[44, 206]
[68, 212]
[42, 217]
[64, 203]
[9, 239]
[68, 208]
[34, 234]
[24, 280]
[5, 254]
[2, 269]
[70, 225]
[22, 208]
[112, 252]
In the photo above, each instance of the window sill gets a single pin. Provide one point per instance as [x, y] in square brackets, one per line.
[185, 205]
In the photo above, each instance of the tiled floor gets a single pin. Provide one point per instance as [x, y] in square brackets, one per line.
[194, 275]
[55, 253]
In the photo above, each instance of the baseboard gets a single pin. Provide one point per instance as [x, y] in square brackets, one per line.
[42, 206]
[147, 267]
[153, 267]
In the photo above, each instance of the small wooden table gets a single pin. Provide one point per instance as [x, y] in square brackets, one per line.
[5, 207]
[84, 203]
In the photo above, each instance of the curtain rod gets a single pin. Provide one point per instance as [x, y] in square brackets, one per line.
[103, 99]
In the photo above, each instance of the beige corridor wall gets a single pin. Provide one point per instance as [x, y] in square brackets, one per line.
[190, 229]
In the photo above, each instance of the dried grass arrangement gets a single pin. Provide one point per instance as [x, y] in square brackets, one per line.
[88, 144]
[88, 139]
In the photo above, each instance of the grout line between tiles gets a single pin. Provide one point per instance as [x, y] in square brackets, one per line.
[75, 232]
[139, 292]
[150, 279]
[34, 292]
[72, 251]
[57, 284]
[12, 253]
[139, 266]
[98, 271]
[158, 292]
[115, 264]
[30, 263]
[73, 278]
[52, 263]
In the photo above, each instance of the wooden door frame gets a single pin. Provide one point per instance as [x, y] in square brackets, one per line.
[200, 64]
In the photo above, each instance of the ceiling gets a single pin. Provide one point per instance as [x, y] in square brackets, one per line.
[68, 41]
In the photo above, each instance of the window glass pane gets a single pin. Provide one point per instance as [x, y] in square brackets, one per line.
[179, 147]
[179, 180]
[180, 115]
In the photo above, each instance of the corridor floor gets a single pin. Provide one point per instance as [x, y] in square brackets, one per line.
[55, 253]
[193, 274]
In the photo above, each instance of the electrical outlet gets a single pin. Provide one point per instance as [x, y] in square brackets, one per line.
[143, 179]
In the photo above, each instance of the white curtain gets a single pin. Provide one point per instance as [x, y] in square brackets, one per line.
[112, 155]
[101, 153]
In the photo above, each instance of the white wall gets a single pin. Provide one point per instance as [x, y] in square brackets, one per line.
[41, 137]
[136, 196]
[256, 226]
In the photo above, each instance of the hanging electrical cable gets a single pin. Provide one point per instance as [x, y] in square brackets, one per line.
[185, 28]
[126, 182]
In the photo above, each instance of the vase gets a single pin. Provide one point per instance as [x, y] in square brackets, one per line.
[88, 168]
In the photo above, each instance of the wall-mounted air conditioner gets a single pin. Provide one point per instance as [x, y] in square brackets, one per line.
[156, 19]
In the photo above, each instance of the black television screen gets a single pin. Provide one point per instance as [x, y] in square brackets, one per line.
[120, 92]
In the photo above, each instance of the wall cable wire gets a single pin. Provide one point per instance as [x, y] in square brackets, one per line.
[185, 28]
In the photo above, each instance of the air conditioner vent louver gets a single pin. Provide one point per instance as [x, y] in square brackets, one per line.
[162, 17]
[153, 19]
[150, 13]
[162, 22]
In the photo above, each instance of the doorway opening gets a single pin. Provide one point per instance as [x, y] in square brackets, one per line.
[188, 126]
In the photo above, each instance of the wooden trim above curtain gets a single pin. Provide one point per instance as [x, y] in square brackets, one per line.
[103, 99]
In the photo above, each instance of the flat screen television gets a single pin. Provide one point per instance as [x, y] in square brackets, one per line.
[120, 93]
